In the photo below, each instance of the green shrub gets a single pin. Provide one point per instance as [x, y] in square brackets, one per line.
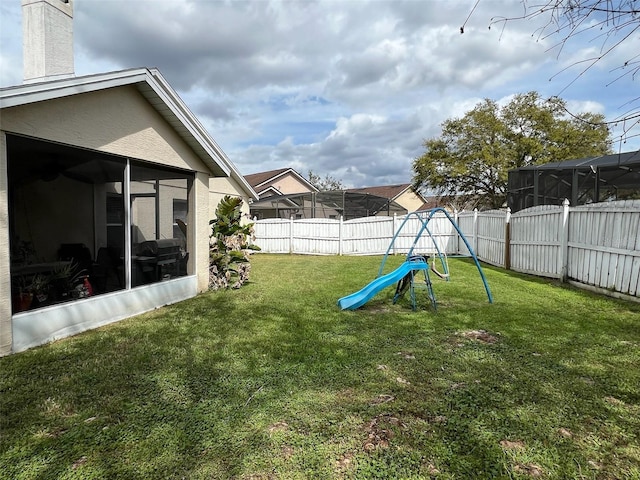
[229, 246]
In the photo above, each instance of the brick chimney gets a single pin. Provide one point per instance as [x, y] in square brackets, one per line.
[47, 38]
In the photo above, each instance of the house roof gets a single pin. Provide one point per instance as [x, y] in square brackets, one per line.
[429, 203]
[261, 179]
[387, 191]
[614, 160]
[152, 85]
[257, 179]
[349, 204]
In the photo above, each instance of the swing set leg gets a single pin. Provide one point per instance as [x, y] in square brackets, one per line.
[432, 295]
[429, 287]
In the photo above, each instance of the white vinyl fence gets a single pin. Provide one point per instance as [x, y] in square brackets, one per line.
[538, 241]
[604, 246]
[596, 245]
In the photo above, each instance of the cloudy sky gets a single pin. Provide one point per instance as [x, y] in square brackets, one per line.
[348, 89]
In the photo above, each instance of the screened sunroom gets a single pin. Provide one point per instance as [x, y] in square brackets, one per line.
[586, 180]
[85, 223]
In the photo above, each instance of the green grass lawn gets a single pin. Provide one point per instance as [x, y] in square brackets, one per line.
[274, 381]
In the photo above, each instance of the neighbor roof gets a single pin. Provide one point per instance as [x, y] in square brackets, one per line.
[160, 95]
[257, 179]
[617, 159]
[386, 191]
[260, 179]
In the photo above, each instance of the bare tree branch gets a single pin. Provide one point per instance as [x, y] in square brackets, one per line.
[610, 22]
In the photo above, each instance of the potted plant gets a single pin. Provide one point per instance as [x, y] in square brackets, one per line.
[64, 280]
[22, 294]
[27, 288]
[40, 287]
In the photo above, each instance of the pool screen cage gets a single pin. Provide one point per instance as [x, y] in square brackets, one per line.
[330, 204]
[587, 180]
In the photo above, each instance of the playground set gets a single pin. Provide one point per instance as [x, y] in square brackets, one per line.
[404, 277]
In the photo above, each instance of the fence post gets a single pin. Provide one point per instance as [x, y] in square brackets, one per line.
[340, 235]
[564, 241]
[291, 234]
[457, 222]
[393, 232]
[507, 240]
[475, 231]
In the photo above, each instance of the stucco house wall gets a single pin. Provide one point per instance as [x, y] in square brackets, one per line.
[221, 186]
[410, 200]
[288, 183]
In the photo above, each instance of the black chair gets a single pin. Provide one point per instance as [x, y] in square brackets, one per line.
[77, 253]
[105, 271]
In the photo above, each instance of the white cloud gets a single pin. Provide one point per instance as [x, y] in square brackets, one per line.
[585, 106]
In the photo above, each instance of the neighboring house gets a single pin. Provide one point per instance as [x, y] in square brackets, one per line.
[108, 176]
[284, 193]
[279, 182]
[403, 194]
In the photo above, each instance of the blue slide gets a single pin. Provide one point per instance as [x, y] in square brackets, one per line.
[356, 300]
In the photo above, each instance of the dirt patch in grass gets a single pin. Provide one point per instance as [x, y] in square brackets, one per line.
[381, 399]
[595, 465]
[438, 419]
[407, 355]
[380, 432]
[512, 445]
[346, 395]
[529, 469]
[78, 463]
[287, 452]
[457, 385]
[378, 308]
[431, 469]
[565, 432]
[614, 401]
[278, 427]
[481, 336]
[344, 463]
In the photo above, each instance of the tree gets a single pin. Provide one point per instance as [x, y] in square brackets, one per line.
[472, 156]
[325, 184]
[609, 22]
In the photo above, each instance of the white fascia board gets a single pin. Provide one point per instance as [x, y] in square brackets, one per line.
[296, 174]
[272, 179]
[270, 189]
[195, 128]
[401, 192]
[189, 121]
[304, 180]
[38, 92]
